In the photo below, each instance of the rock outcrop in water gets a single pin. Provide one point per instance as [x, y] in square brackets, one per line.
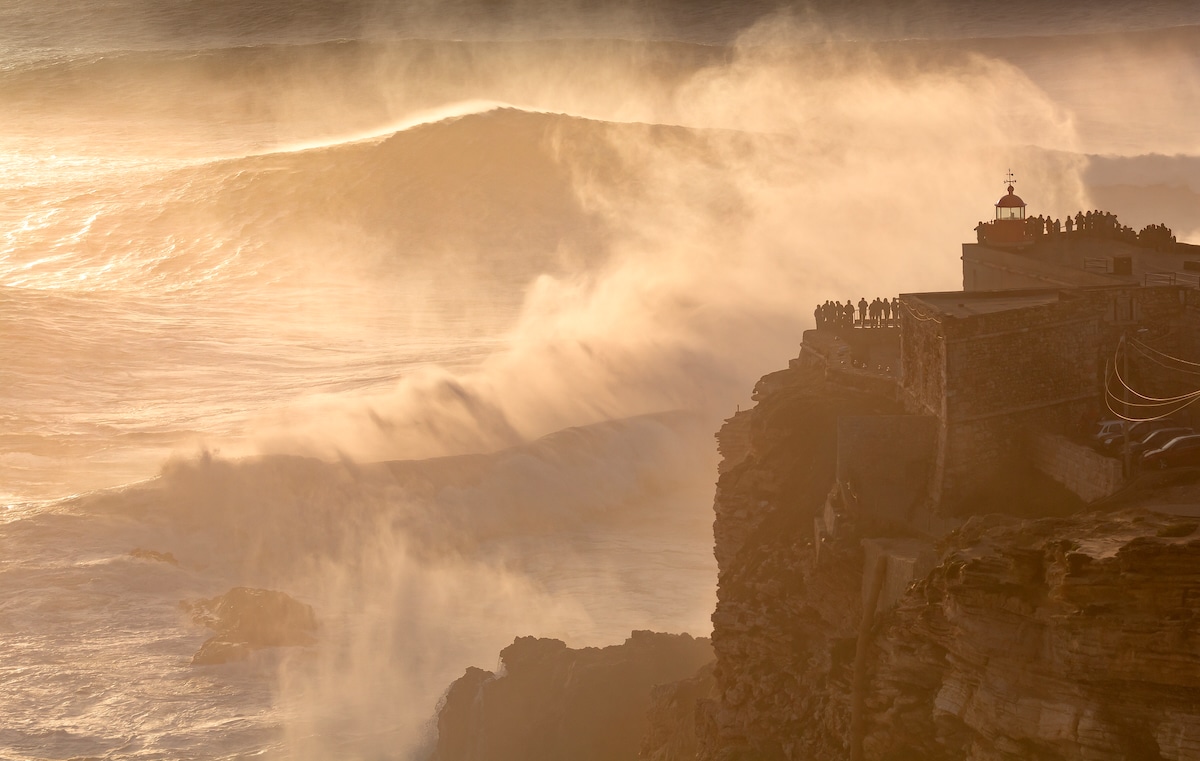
[246, 620]
[550, 702]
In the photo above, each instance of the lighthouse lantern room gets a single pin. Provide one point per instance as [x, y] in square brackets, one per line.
[1009, 229]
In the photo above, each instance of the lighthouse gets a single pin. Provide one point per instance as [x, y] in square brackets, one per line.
[1008, 229]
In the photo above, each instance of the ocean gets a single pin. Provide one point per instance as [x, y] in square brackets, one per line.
[425, 313]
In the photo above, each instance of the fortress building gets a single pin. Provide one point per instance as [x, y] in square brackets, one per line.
[997, 380]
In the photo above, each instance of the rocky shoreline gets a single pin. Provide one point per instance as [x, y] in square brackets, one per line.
[1070, 636]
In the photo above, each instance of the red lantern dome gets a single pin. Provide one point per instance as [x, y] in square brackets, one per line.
[1008, 229]
[1010, 206]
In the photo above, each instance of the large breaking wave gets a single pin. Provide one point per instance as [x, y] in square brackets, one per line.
[437, 333]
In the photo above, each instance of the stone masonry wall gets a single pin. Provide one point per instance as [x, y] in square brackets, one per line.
[989, 376]
[998, 367]
[922, 359]
[1089, 474]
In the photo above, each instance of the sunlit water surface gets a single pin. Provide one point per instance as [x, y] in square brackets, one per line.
[257, 265]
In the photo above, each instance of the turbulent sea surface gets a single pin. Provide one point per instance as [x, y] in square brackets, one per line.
[426, 316]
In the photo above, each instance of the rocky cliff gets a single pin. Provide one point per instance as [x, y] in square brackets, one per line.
[781, 633]
[550, 702]
[1073, 637]
[1052, 639]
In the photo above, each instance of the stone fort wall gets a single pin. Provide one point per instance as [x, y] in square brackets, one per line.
[989, 378]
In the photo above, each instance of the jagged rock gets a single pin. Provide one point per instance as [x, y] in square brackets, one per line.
[779, 629]
[215, 651]
[161, 557]
[672, 734]
[246, 620]
[550, 702]
[1059, 639]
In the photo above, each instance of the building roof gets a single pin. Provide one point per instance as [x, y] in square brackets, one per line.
[1010, 200]
[970, 303]
[1089, 261]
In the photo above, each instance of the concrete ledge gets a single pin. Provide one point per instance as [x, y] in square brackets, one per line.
[907, 561]
[1088, 473]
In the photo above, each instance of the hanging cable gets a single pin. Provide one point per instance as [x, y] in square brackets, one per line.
[919, 316]
[1108, 403]
[1176, 403]
[1165, 400]
[1160, 363]
[1164, 354]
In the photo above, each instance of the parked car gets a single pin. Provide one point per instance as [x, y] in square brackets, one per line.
[1179, 451]
[1156, 439]
[1140, 430]
[1137, 433]
[1104, 430]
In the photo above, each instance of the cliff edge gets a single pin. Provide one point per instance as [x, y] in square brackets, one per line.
[1060, 638]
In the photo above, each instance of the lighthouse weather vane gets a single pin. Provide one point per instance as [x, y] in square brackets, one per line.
[1009, 180]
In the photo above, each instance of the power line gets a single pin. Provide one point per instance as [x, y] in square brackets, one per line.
[1160, 363]
[1176, 404]
[1164, 400]
[1164, 354]
[919, 316]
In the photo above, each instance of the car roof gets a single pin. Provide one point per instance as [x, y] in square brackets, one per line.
[1169, 431]
[1188, 437]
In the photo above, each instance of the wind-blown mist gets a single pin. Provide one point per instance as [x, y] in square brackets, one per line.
[774, 180]
[434, 335]
[766, 184]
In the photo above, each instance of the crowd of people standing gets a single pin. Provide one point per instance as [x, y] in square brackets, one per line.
[878, 313]
[1092, 224]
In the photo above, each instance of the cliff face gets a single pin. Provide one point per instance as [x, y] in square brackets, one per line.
[551, 702]
[1051, 639]
[1055, 639]
[780, 632]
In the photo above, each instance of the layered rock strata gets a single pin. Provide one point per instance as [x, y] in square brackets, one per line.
[1057, 639]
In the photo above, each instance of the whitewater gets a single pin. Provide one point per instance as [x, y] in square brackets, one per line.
[426, 317]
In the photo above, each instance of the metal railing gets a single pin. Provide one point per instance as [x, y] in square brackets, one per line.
[1186, 279]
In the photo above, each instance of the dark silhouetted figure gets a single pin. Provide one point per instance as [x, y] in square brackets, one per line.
[862, 311]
